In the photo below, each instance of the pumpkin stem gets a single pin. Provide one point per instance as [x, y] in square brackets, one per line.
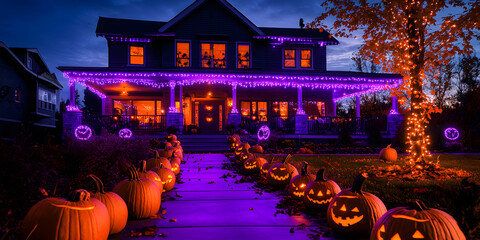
[133, 174]
[100, 188]
[287, 158]
[272, 157]
[78, 195]
[156, 155]
[418, 205]
[389, 145]
[304, 171]
[358, 182]
[144, 166]
[321, 175]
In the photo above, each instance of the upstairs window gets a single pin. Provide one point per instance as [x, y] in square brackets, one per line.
[136, 55]
[213, 55]
[46, 99]
[289, 58]
[306, 58]
[183, 54]
[243, 59]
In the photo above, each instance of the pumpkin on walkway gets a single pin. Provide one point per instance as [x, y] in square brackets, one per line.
[353, 212]
[416, 222]
[320, 192]
[142, 196]
[242, 148]
[150, 175]
[297, 185]
[157, 161]
[388, 154]
[280, 174]
[117, 209]
[266, 166]
[77, 217]
[254, 164]
[167, 176]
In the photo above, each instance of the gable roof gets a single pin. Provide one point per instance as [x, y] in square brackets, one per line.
[199, 3]
[117, 26]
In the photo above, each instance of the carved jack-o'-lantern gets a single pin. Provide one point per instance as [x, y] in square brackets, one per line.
[77, 217]
[416, 222]
[254, 164]
[242, 148]
[167, 176]
[297, 185]
[245, 156]
[320, 192]
[280, 174]
[266, 166]
[353, 212]
[156, 161]
[388, 154]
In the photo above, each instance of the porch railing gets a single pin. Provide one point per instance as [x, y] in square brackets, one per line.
[282, 124]
[140, 124]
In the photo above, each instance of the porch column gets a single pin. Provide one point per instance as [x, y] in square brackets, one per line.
[172, 108]
[394, 118]
[301, 119]
[174, 118]
[394, 109]
[72, 93]
[357, 100]
[234, 118]
[334, 109]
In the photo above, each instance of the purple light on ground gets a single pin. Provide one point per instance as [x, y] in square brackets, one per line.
[83, 132]
[125, 133]
[451, 134]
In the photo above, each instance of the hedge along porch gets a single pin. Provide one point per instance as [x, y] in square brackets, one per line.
[211, 100]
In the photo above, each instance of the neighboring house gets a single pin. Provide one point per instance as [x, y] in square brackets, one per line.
[210, 66]
[29, 92]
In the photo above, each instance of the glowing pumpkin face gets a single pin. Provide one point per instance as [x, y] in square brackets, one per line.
[280, 174]
[167, 176]
[417, 222]
[320, 192]
[245, 156]
[253, 165]
[175, 168]
[297, 185]
[353, 212]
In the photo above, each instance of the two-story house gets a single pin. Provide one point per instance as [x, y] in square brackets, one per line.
[210, 66]
[29, 92]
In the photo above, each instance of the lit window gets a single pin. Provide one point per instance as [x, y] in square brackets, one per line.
[213, 55]
[17, 95]
[243, 60]
[177, 106]
[144, 107]
[46, 99]
[262, 111]
[306, 58]
[284, 110]
[245, 108]
[183, 54]
[289, 58]
[136, 55]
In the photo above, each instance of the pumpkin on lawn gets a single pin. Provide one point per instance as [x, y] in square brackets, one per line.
[353, 212]
[416, 222]
[256, 149]
[157, 161]
[150, 175]
[117, 209]
[320, 192]
[167, 176]
[142, 196]
[266, 166]
[77, 217]
[297, 185]
[280, 174]
[254, 164]
[388, 154]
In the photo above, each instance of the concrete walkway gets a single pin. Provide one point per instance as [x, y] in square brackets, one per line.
[207, 206]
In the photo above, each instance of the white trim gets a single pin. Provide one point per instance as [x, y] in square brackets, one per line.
[197, 4]
[128, 55]
[10, 120]
[189, 54]
[250, 53]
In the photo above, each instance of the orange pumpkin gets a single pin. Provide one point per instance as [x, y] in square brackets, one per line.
[304, 151]
[242, 148]
[117, 209]
[142, 196]
[280, 174]
[256, 149]
[388, 154]
[171, 138]
[175, 159]
[150, 175]
[77, 217]
[417, 222]
[254, 164]
[353, 212]
[167, 176]
[157, 160]
[320, 192]
[266, 166]
[297, 185]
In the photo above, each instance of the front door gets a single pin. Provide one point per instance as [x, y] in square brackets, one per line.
[210, 116]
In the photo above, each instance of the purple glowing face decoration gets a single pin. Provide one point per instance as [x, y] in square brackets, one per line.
[451, 134]
[83, 132]
[263, 133]
[125, 133]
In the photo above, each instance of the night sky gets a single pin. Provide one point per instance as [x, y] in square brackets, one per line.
[64, 31]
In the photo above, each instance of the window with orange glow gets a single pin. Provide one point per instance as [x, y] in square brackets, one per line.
[243, 60]
[245, 108]
[136, 55]
[289, 58]
[183, 54]
[144, 107]
[262, 111]
[122, 107]
[213, 55]
[159, 111]
[306, 58]
[177, 105]
[321, 108]
[284, 110]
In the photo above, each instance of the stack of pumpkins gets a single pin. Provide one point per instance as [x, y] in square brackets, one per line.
[353, 212]
[85, 215]
[233, 141]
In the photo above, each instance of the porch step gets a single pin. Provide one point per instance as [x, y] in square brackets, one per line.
[203, 143]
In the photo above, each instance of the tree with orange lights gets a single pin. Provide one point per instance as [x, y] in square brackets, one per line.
[410, 37]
